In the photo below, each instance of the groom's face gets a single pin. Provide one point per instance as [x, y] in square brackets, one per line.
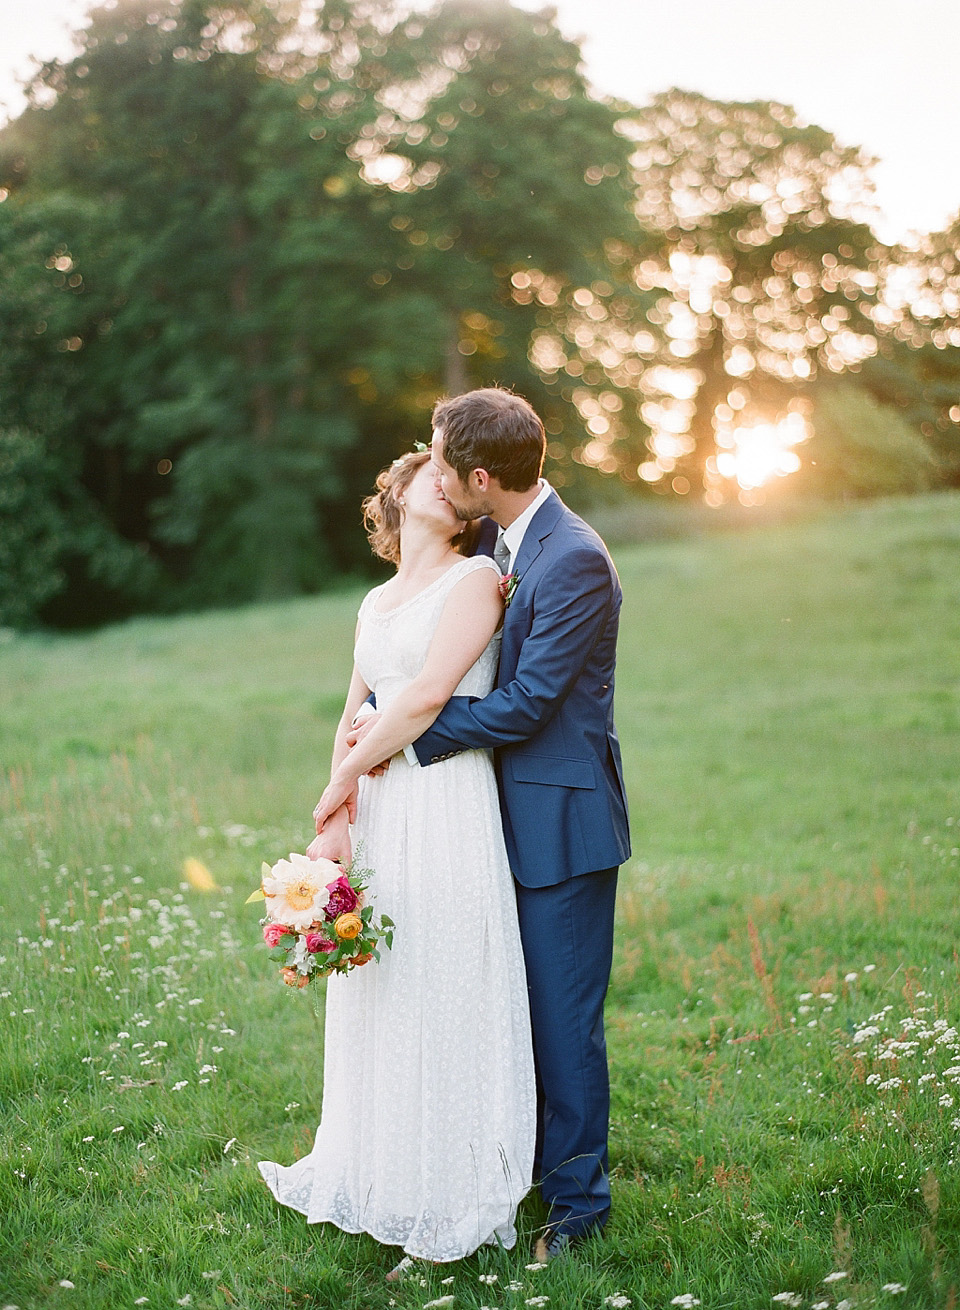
[468, 501]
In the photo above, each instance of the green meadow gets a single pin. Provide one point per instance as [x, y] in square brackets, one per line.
[784, 1011]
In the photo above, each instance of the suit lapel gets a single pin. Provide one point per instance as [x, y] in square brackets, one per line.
[541, 525]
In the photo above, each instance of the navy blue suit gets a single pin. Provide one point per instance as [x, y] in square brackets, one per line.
[550, 721]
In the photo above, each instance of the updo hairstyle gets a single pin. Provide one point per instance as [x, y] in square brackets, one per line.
[382, 516]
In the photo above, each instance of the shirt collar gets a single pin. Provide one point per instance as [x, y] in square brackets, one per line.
[513, 536]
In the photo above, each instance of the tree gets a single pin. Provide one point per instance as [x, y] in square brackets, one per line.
[862, 448]
[764, 266]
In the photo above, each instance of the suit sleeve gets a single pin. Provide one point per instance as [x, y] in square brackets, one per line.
[571, 608]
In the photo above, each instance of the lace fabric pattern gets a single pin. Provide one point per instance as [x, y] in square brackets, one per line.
[428, 1118]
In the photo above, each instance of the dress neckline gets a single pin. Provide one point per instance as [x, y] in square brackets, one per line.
[385, 614]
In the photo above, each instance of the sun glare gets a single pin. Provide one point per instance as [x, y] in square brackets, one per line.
[751, 456]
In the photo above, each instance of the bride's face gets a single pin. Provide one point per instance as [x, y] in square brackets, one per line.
[422, 500]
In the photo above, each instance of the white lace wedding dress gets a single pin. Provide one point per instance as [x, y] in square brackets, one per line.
[428, 1120]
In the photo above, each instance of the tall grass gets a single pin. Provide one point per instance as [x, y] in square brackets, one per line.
[784, 1008]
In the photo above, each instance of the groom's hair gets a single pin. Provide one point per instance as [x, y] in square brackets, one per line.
[492, 429]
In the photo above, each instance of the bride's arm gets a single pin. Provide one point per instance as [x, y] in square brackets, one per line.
[334, 843]
[469, 619]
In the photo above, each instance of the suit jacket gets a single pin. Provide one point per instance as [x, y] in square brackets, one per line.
[550, 717]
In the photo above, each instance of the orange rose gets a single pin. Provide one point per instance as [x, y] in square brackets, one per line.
[292, 978]
[357, 960]
[348, 926]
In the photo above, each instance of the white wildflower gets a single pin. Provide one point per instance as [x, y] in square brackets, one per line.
[895, 1289]
[685, 1300]
[788, 1298]
[537, 1300]
[489, 1279]
[441, 1300]
[178, 1087]
[618, 1302]
[836, 1276]
[65, 1282]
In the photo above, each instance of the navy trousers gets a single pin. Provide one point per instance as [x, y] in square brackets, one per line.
[567, 935]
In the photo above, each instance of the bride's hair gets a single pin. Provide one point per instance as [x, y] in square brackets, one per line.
[382, 516]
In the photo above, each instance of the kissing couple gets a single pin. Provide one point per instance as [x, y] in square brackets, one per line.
[470, 1063]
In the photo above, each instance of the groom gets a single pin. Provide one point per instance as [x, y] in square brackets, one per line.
[550, 722]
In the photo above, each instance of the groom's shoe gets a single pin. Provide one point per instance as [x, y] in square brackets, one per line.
[552, 1246]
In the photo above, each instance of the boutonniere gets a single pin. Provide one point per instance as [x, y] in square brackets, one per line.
[508, 585]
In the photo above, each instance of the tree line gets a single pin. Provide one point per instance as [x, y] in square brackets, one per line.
[244, 246]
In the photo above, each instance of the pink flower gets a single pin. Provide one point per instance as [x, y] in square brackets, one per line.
[272, 933]
[343, 899]
[318, 943]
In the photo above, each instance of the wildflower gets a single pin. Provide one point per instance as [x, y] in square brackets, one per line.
[178, 1087]
[232, 1142]
[537, 1300]
[618, 1302]
[788, 1298]
[895, 1289]
[514, 1286]
[441, 1300]
[88, 1139]
[489, 1279]
[835, 1277]
[445, 1282]
[65, 1282]
[185, 1300]
[211, 1273]
[142, 1300]
[535, 1267]
[292, 1105]
[685, 1300]
[118, 1129]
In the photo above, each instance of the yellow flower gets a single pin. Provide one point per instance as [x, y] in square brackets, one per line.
[348, 926]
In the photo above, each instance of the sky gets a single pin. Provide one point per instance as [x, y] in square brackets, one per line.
[877, 73]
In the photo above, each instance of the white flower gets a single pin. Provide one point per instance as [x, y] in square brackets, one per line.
[441, 1300]
[789, 1298]
[686, 1300]
[535, 1267]
[296, 892]
[514, 1286]
[895, 1289]
[618, 1302]
[835, 1277]
[178, 1087]
[65, 1282]
[537, 1300]
[142, 1300]
[489, 1279]
[185, 1300]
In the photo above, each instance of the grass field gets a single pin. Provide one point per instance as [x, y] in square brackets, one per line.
[784, 1013]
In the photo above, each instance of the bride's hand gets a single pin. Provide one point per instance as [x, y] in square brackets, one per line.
[336, 794]
[334, 842]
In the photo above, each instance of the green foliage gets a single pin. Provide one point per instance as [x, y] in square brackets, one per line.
[789, 718]
[245, 247]
[30, 528]
[861, 448]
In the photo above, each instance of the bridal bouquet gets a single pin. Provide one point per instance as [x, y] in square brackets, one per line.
[317, 920]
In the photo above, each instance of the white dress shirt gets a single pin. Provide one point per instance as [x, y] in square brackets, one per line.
[513, 536]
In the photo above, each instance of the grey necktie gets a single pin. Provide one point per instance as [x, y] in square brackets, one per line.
[501, 553]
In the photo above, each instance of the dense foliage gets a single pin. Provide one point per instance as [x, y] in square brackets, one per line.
[244, 246]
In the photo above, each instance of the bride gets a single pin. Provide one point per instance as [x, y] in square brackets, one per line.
[428, 1120]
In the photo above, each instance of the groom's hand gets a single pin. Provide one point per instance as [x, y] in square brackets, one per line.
[357, 734]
